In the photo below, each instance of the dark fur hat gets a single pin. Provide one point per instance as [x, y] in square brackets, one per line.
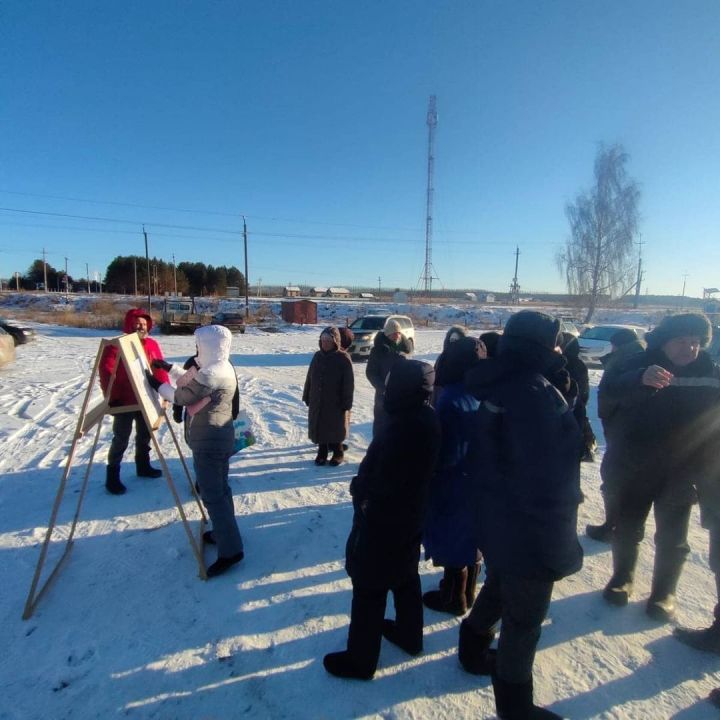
[682, 325]
[534, 326]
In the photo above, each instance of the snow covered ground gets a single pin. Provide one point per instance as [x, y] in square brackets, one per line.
[128, 629]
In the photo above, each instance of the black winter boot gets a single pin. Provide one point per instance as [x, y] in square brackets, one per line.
[391, 633]
[143, 468]
[474, 651]
[338, 456]
[666, 573]
[112, 481]
[450, 598]
[341, 665]
[601, 533]
[514, 701]
[471, 585]
[707, 639]
[223, 564]
[618, 590]
[321, 457]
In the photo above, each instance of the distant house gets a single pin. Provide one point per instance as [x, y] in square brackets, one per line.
[472, 297]
[319, 292]
[488, 298]
[400, 296]
[366, 296]
[291, 291]
[337, 292]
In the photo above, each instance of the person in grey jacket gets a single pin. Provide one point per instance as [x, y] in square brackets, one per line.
[207, 391]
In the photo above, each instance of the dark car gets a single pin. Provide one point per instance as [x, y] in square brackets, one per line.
[233, 321]
[20, 335]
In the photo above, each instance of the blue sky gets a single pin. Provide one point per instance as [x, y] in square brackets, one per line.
[308, 116]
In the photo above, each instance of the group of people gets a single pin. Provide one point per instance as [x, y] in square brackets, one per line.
[497, 430]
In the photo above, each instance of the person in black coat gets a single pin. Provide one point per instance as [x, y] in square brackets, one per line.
[389, 497]
[624, 344]
[389, 347]
[664, 439]
[527, 452]
[579, 373]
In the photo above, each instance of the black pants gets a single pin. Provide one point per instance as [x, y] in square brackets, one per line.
[672, 517]
[521, 605]
[368, 613]
[122, 427]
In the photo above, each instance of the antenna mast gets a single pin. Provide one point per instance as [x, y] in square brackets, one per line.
[514, 286]
[432, 120]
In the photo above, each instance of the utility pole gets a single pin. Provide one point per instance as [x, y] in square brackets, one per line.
[87, 273]
[135, 270]
[67, 282]
[514, 287]
[638, 282]
[247, 291]
[684, 277]
[379, 279]
[44, 272]
[428, 270]
[147, 258]
[175, 274]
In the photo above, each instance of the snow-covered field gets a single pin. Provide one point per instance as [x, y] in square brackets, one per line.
[128, 629]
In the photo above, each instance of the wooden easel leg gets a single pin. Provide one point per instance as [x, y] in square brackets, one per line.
[32, 598]
[187, 470]
[193, 544]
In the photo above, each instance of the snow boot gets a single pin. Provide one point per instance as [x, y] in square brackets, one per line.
[392, 634]
[714, 697]
[474, 651]
[338, 456]
[514, 701]
[601, 533]
[707, 639]
[143, 468]
[224, 563]
[321, 457]
[341, 665]
[450, 598]
[618, 591]
[112, 481]
[471, 584]
[666, 573]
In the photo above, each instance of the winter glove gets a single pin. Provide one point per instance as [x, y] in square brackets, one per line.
[152, 381]
[177, 413]
[159, 364]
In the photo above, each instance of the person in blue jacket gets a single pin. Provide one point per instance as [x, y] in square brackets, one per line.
[528, 455]
[450, 536]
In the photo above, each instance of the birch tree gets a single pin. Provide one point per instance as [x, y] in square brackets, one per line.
[598, 256]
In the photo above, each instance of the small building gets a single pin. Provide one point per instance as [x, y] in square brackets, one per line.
[400, 296]
[291, 291]
[302, 312]
[488, 298]
[337, 292]
[318, 292]
[232, 291]
[470, 296]
[366, 296]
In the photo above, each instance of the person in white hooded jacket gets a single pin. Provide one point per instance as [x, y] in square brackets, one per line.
[207, 391]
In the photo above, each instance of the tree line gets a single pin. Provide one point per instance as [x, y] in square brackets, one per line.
[128, 274]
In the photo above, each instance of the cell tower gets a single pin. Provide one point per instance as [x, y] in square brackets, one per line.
[428, 271]
[514, 286]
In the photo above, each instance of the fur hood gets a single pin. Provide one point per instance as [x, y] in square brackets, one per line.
[131, 316]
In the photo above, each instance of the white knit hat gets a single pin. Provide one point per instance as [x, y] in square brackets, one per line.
[391, 327]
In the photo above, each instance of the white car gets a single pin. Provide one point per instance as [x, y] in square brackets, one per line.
[367, 327]
[595, 341]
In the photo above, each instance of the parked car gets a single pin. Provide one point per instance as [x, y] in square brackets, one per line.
[367, 327]
[20, 335]
[569, 326]
[7, 348]
[233, 321]
[595, 341]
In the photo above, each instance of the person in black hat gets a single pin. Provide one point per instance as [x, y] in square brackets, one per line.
[389, 496]
[527, 453]
[664, 440]
[623, 345]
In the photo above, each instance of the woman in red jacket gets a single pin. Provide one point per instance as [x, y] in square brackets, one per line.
[140, 322]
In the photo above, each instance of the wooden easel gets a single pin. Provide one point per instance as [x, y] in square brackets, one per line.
[131, 353]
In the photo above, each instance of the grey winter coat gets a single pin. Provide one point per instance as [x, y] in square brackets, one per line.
[328, 393]
[209, 425]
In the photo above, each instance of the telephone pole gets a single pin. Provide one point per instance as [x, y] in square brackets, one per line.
[44, 272]
[638, 282]
[147, 257]
[247, 296]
